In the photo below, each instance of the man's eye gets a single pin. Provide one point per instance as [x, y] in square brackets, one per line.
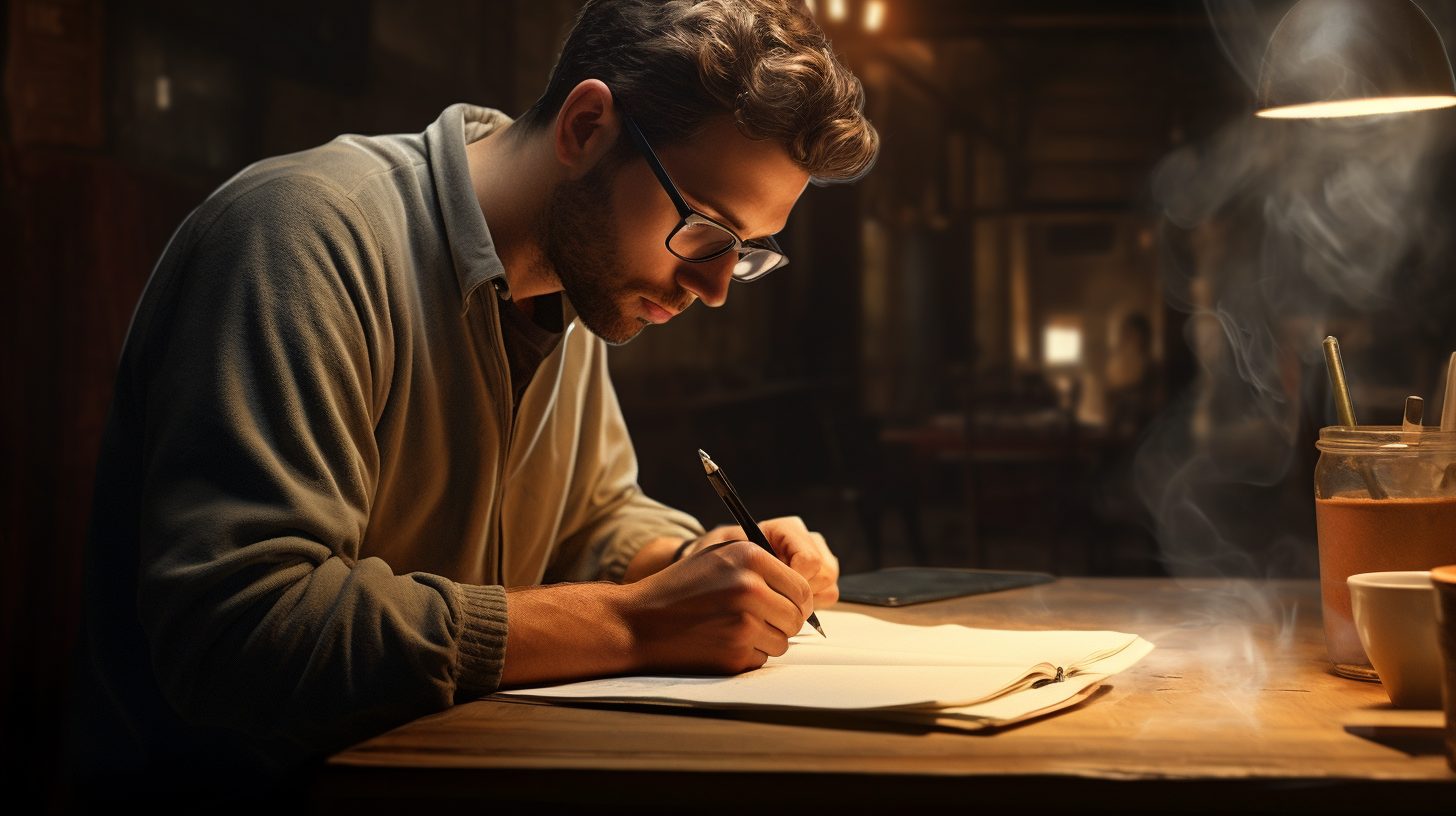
[700, 241]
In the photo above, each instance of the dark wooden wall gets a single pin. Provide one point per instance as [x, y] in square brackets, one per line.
[82, 235]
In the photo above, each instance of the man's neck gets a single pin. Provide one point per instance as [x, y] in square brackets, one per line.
[513, 178]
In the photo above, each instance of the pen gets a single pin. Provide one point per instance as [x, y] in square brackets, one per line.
[720, 483]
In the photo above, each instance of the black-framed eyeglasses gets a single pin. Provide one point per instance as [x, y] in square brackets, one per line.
[697, 237]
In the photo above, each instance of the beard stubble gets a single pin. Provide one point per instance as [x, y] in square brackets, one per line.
[580, 239]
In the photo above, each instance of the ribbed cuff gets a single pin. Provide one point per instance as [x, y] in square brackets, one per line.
[482, 638]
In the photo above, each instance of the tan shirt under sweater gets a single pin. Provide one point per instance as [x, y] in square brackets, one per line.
[312, 489]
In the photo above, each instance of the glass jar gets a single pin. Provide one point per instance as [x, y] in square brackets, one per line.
[1385, 500]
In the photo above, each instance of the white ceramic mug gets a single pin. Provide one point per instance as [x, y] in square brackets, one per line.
[1395, 615]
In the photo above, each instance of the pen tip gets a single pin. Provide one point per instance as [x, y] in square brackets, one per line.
[814, 622]
[709, 466]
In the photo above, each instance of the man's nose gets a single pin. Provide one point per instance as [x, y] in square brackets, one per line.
[708, 279]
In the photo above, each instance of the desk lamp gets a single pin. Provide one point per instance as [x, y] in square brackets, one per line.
[1332, 58]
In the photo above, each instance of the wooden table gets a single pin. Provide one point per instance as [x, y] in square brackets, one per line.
[1237, 707]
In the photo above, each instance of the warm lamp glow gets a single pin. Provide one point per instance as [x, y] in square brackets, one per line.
[1359, 107]
[874, 15]
[1062, 345]
[1354, 58]
[838, 10]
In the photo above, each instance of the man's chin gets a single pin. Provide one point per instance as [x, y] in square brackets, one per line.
[616, 332]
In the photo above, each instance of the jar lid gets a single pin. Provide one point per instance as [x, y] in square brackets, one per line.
[1385, 439]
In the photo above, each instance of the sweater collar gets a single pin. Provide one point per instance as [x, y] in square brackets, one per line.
[471, 246]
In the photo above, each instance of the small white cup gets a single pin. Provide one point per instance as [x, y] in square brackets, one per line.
[1395, 614]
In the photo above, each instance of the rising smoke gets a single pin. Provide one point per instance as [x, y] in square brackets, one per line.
[1277, 233]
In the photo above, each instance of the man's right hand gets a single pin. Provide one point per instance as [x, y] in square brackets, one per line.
[721, 611]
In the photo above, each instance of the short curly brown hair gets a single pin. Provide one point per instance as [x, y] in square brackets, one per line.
[675, 64]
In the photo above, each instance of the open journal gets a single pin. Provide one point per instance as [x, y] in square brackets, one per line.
[945, 675]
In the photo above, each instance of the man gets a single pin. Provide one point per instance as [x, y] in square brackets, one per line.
[357, 403]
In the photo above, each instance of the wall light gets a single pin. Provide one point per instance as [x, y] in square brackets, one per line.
[838, 10]
[1333, 58]
[874, 15]
[1062, 345]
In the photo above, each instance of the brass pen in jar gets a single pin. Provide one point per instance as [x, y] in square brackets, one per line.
[720, 483]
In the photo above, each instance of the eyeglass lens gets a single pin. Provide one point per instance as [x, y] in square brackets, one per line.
[700, 241]
[757, 263]
[703, 241]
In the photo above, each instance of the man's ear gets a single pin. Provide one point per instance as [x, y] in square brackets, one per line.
[586, 127]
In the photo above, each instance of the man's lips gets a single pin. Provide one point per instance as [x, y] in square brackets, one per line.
[656, 313]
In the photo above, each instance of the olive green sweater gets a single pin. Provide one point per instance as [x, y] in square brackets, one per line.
[312, 490]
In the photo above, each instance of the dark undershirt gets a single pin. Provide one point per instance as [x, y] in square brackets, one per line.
[529, 340]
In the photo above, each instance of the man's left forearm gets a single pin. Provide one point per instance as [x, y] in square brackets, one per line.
[654, 557]
[661, 552]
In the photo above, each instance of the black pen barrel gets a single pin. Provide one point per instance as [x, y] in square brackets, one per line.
[750, 527]
[740, 513]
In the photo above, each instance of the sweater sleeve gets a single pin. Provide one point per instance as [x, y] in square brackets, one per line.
[615, 518]
[262, 355]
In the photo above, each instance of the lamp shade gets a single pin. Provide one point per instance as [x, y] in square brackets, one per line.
[1353, 58]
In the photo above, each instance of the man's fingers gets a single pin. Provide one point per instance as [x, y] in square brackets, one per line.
[807, 563]
[787, 535]
[816, 564]
[797, 547]
[812, 575]
[826, 597]
[782, 618]
[773, 641]
[787, 584]
[805, 551]
[829, 564]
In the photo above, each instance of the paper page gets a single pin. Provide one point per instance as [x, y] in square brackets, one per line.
[821, 687]
[1015, 706]
[1116, 662]
[1031, 702]
[1003, 710]
[867, 664]
[1011, 708]
[860, 640]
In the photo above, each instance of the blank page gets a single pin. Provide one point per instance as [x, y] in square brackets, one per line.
[855, 639]
[867, 663]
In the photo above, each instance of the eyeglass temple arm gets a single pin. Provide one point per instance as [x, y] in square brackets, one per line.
[683, 210]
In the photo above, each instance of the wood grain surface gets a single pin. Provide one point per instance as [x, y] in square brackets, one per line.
[1238, 688]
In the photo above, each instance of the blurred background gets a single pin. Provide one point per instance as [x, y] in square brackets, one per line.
[1070, 322]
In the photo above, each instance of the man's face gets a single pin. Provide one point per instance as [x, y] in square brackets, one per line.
[605, 234]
